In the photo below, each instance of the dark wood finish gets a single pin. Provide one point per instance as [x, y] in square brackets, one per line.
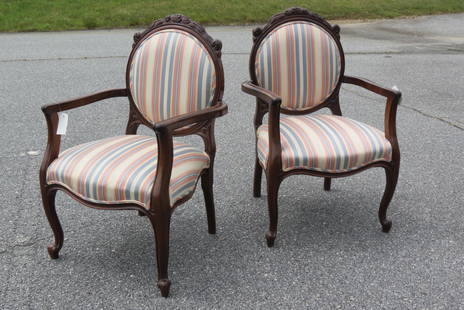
[201, 123]
[268, 102]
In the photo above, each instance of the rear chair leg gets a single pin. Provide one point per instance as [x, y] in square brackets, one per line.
[207, 186]
[48, 199]
[141, 213]
[392, 179]
[327, 183]
[257, 179]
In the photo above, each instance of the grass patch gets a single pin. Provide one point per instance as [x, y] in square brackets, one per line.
[46, 15]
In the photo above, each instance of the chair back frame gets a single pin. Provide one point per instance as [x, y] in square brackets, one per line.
[303, 15]
[214, 47]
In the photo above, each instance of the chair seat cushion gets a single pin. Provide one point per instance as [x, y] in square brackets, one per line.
[122, 170]
[326, 143]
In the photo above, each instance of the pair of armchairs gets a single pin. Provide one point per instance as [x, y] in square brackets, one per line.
[175, 85]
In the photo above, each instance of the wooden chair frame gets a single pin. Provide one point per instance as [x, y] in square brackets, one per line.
[268, 102]
[201, 123]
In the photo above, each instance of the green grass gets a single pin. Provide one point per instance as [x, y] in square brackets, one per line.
[46, 15]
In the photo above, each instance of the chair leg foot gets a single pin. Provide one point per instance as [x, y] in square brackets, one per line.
[386, 226]
[327, 183]
[48, 199]
[270, 237]
[164, 285]
[53, 252]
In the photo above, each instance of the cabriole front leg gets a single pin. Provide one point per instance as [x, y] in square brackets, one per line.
[392, 178]
[161, 225]
[272, 199]
[48, 199]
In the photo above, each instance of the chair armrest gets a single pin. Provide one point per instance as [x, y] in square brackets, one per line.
[373, 87]
[82, 101]
[191, 118]
[273, 101]
[393, 99]
[50, 111]
[264, 94]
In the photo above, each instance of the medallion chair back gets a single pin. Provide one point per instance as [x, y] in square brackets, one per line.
[297, 67]
[174, 85]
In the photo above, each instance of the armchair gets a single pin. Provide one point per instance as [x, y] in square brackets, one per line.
[297, 67]
[174, 85]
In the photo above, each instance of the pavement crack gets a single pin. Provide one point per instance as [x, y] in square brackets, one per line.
[59, 58]
[447, 51]
[433, 116]
[402, 105]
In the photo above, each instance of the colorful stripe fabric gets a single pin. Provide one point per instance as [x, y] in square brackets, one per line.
[171, 74]
[326, 143]
[300, 62]
[122, 170]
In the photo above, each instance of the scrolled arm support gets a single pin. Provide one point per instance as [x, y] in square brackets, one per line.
[160, 199]
[273, 102]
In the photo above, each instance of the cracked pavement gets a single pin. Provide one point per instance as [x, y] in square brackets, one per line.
[330, 252]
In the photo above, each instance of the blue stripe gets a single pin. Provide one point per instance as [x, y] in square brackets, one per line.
[92, 178]
[341, 152]
[298, 146]
[209, 84]
[166, 48]
[200, 81]
[67, 158]
[171, 73]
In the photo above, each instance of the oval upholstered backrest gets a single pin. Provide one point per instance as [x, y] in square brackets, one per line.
[300, 62]
[171, 73]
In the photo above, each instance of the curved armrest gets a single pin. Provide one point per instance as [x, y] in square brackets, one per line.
[373, 87]
[191, 118]
[82, 101]
[264, 94]
[393, 99]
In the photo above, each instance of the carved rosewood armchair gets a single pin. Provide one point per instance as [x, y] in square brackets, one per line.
[174, 85]
[297, 67]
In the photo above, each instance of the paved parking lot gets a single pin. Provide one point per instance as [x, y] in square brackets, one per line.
[330, 251]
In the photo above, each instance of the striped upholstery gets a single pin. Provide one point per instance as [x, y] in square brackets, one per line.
[300, 62]
[123, 169]
[171, 73]
[327, 143]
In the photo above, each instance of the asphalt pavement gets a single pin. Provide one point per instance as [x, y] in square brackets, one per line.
[330, 252]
